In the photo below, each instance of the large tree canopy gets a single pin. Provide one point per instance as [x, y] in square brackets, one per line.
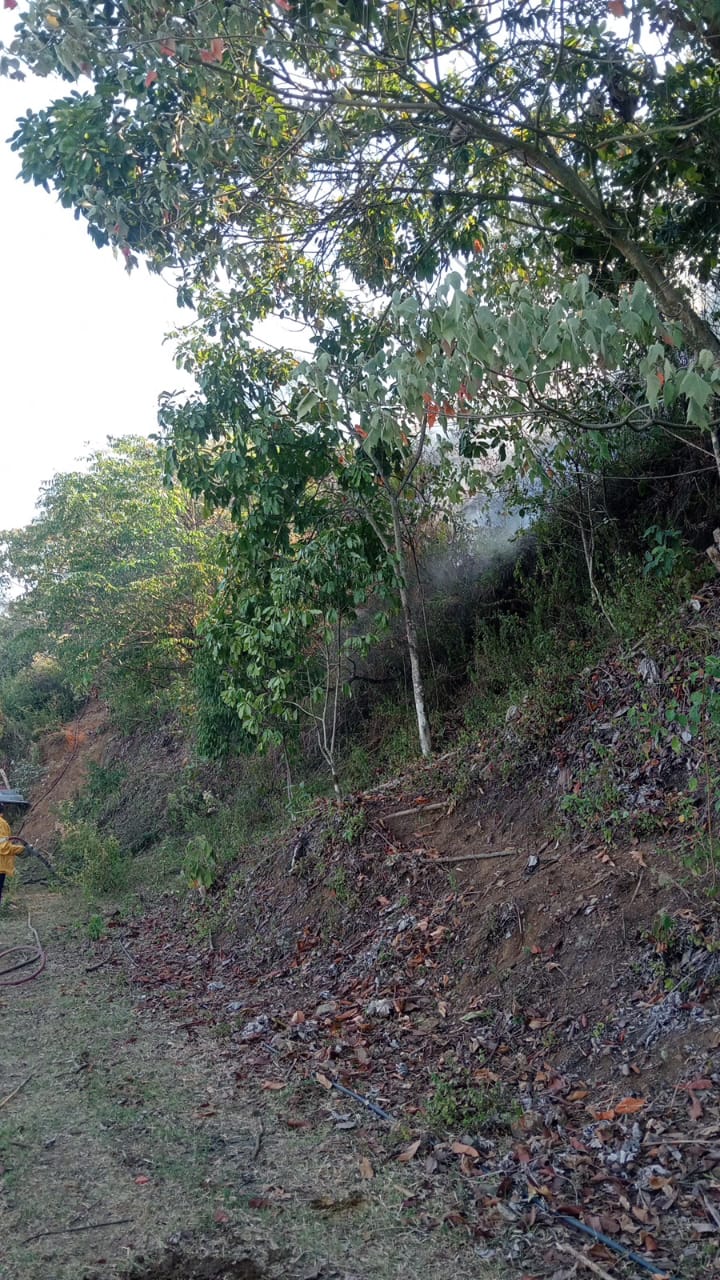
[327, 161]
[118, 569]
[297, 143]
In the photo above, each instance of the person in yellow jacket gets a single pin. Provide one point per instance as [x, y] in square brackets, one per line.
[10, 847]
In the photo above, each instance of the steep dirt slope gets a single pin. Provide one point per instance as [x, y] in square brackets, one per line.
[65, 757]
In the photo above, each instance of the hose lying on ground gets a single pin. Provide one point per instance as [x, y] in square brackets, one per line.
[37, 958]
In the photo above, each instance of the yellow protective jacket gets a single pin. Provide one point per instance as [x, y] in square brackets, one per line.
[9, 849]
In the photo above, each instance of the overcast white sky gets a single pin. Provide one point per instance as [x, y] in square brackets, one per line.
[81, 341]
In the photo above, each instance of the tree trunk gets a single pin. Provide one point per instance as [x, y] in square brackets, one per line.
[410, 631]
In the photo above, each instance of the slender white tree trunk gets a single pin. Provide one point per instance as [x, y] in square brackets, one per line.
[410, 632]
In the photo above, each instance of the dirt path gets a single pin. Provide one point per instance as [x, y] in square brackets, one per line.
[132, 1149]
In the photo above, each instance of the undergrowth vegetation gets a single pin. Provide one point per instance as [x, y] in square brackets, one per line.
[603, 676]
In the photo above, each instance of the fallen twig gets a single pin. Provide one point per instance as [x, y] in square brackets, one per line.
[88, 1226]
[382, 836]
[90, 968]
[127, 951]
[586, 1262]
[677, 1140]
[414, 812]
[476, 857]
[10, 1096]
[711, 1211]
[258, 1143]
[637, 887]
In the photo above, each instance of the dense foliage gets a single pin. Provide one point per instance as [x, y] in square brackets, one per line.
[115, 572]
[329, 163]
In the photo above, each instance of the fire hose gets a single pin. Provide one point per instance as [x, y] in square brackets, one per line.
[31, 954]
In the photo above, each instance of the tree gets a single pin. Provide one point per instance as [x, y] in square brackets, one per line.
[284, 637]
[33, 690]
[118, 569]
[282, 141]
[323, 521]
[328, 161]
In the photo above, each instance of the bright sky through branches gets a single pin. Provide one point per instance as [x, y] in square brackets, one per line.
[81, 354]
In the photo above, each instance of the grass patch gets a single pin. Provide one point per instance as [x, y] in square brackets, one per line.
[460, 1104]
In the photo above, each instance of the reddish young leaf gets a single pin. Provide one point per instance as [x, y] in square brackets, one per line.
[214, 53]
[150, 78]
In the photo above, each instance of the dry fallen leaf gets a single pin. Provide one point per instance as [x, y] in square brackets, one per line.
[695, 1109]
[462, 1149]
[273, 1085]
[628, 1106]
[410, 1152]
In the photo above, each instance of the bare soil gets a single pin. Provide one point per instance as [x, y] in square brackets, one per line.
[65, 757]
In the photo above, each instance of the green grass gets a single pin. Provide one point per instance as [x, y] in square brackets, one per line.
[458, 1104]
